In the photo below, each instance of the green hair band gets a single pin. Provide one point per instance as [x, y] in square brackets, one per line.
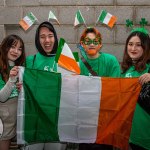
[143, 30]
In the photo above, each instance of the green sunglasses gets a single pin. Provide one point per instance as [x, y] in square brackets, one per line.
[88, 41]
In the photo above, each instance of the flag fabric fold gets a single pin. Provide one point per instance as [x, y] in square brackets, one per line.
[107, 18]
[1, 127]
[79, 20]
[74, 108]
[28, 21]
[65, 58]
[34, 105]
[52, 17]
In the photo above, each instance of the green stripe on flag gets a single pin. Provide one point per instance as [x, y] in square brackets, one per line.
[76, 56]
[79, 17]
[42, 99]
[59, 50]
[103, 15]
[32, 17]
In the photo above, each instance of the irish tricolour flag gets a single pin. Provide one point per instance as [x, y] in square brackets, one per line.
[107, 18]
[75, 108]
[65, 59]
[28, 21]
[78, 19]
[52, 17]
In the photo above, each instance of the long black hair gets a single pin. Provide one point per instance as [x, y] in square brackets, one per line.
[37, 41]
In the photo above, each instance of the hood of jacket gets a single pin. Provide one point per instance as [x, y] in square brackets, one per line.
[37, 40]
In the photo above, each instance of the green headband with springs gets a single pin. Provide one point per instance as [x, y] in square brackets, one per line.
[142, 29]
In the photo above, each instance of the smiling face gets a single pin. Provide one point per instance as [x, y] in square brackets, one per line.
[47, 40]
[134, 48]
[91, 45]
[15, 51]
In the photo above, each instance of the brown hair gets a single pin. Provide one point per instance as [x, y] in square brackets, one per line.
[4, 48]
[90, 30]
[140, 65]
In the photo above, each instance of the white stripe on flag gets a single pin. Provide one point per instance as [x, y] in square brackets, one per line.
[20, 110]
[76, 21]
[66, 51]
[62, 70]
[79, 108]
[107, 18]
[28, 21]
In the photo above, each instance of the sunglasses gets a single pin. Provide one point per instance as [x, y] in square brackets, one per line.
[88, 41]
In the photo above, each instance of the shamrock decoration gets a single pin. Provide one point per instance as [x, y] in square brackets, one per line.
[129, 23]
[143, 22]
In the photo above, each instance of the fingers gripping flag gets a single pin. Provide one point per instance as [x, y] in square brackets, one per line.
[28, 21]
[107, 18]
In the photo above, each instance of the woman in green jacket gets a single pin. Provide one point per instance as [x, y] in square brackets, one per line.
[136, 63]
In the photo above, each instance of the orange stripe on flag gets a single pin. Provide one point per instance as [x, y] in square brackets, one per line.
[69, 64]
[112, 21]
[24, 25]
[116, 111]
